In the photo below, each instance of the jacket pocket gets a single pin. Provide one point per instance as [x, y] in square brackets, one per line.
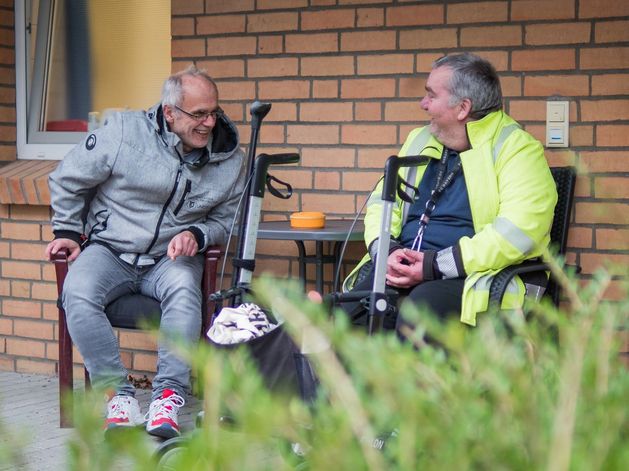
[186, 191]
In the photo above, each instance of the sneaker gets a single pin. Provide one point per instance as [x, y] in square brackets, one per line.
[162, 415]
[123, 411]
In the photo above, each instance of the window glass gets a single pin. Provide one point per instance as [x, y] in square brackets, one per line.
[81, 59]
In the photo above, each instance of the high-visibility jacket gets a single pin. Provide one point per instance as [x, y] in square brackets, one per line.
[512, 198]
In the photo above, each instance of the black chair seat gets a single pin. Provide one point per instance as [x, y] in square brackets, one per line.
[133, 311]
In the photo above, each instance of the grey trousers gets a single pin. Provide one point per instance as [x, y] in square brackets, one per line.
[97, 277]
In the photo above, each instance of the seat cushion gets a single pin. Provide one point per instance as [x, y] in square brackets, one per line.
[132, 311]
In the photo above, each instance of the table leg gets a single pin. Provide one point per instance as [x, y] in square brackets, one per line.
[319, 267]
[302, 261]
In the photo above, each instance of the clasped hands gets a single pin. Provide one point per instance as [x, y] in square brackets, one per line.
[405, 268]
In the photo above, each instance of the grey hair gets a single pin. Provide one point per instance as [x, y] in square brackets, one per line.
[473, 78]
[172, 90]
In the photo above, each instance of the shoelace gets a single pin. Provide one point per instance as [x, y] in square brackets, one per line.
[166, 407]
[117, 406]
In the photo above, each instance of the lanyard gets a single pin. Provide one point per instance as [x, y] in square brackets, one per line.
[443, 182]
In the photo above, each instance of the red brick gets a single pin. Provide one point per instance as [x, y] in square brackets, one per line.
[283, 89]
[548, 85]
[19, 308]
[612, 187]
[327, 181]
[580, 237]
[483, 36]
[610, 84]
[511, 86]
[282, 112]
[369, 17]
[280, 4]
[367, 88]
[220, 24]
[23, 365]
[611, 31]
[212, 6]
[543, 59]
[44, 291]
[320, 66]
[325, 89]
[312, 43]
[612, 239]
[328, 19]
[581, 136]
[600, 213]
[230, 46]
[553, 33]
[140, 340]
[590, 262]
[368, 111]
[432, 38]
[6, 326]
[606, 8]
[185, 7]
[21, 270]
[318, 111]
[277, 67]
[26, 251]
[33, 329]
[27, 348]
[604, 110]
[272, 134]
[415, 15]
[329, 203]
[182, 27]
[270, 44]
[223, 68]
[375, 157]
[312, 134]
[411, 87]
[20, 289]
[267, 22]
[605, 161]
[360, 181]
[403, 111]
[299, 179]
[612, 135]
[366, 134]
[238, 90]
[277, 204]
[187, 47]
[368, 41]
[583, 187]
[5, 249]
[385, 64]
[527, 110]
[145, 362]
[477, 12]
[604, 58]
[275, 267]
[327, 157]
[542, 10]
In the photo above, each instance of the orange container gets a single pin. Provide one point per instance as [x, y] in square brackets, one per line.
[307, 220]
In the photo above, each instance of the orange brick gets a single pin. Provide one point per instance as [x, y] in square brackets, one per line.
[360, 181]
[275, 247]
[319, 111]
[23, 365]
[369, 17]
[367, 134]
[610, 84]
[612, 135]
[184, 7]
[552, 33]
[33, 329]
[145, 362]
[182, 26]
[600, 213]
[415, 15]
[581, 136]
[604, 110]
[411, 87]
[140, 340]
[5, 249]
[368, 41]
[322, 66]
[6, 326]
[279, 67]
[280, 4]
[312, 134]
[5, 288]
[612, 187]
[403, 111]
[477, 12]
[542, 10]
[299, 179]
[604, 58]
[27, 348]
[220, 24]
[368, 111]
[327, 157]
[270, 44]
[50, 311]
[277, 204]
[328, 203]
[548, 85]
[20, 289]
[283, 89]
[327, 181]
[590, 262]
[223, 68]
[26, 251]
[432, 38]
[612, 239]
[18, 308]
[527, 110]
[267, 22]
[236, 90]
[385, 64]
[511, 86]
[605, 161]
[44, 291]
[328, 19]
[272, 134]
[187, 47]
[230, 46]
[311, 43]
[274, 266]
[212, 6]
[19, 230]
[375, 157]
[598, 8]
[282, 112]
[325, 89]
[368, 88]
[483, 36]
[611, 31]
[545, 59]
[580, 237]
[7, 364]
[20, 270]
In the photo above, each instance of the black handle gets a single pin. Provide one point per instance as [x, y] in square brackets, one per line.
[391, 169]
[262, 166]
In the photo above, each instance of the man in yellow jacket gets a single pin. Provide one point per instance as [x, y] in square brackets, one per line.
[485, 199]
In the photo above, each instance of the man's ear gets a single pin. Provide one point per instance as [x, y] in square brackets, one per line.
[168, 113]
[465, 109]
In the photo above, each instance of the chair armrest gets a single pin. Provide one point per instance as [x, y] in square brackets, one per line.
[208, 285]
[501, 280]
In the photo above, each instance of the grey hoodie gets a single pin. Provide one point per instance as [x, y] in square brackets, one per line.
[126, 186]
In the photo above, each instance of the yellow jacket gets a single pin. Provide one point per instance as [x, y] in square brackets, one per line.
[512, 198]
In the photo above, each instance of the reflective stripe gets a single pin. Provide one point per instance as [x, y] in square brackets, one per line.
[447, 264]
[415, 148]
[484, 283]
[504, 135]
[514, 235]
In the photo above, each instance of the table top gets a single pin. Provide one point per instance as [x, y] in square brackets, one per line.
[334, 230]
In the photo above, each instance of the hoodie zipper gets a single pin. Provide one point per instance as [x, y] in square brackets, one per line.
[161, 216]
[183, 198]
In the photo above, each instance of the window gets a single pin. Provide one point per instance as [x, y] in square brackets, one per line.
[77, 60]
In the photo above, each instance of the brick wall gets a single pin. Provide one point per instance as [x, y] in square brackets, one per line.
[345, 78]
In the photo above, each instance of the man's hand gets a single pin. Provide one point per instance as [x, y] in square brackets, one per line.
[405, 268]
[59, 244]
[183, 243]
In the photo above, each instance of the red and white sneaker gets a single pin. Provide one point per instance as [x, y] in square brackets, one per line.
[162, 415]
[123, 411]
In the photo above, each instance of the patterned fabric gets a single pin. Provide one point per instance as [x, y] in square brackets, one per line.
[239, 324]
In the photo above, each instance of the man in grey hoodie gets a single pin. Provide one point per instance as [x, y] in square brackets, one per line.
[135, 204]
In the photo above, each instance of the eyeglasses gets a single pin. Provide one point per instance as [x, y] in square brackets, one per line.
[217, 113]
